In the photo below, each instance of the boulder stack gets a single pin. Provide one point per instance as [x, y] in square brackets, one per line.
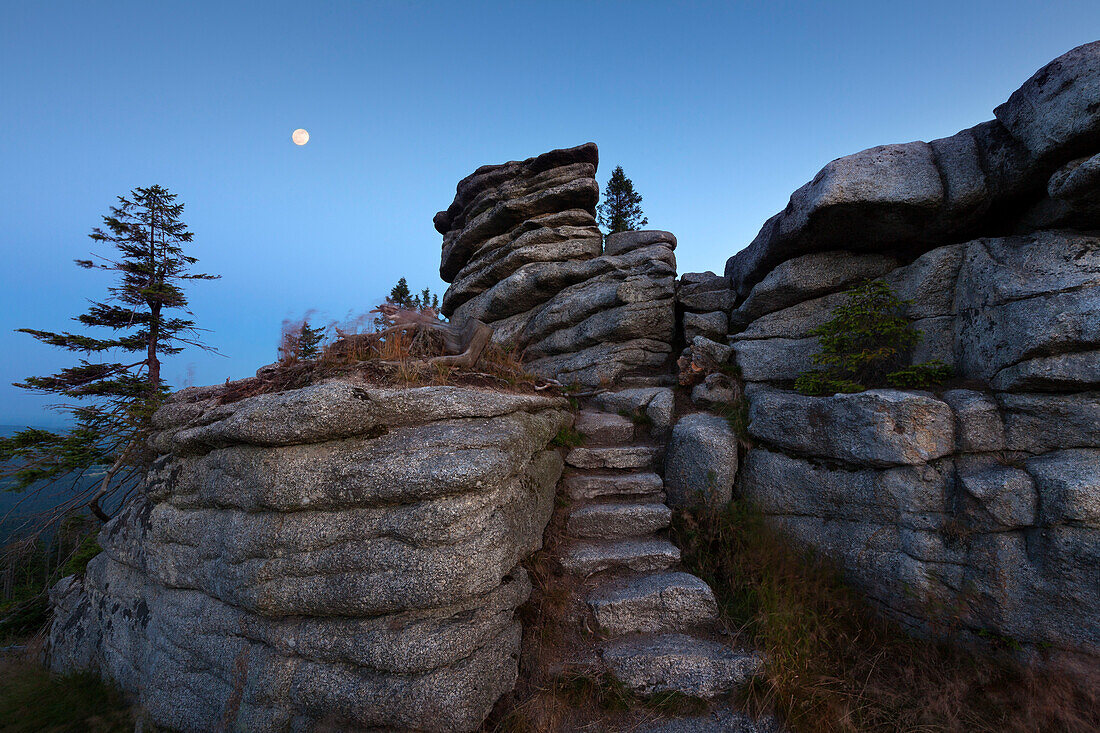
[523, 254]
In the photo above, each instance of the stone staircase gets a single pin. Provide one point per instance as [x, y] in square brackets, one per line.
[655, 628]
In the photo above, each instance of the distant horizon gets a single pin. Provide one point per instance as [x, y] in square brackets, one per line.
[717, 112]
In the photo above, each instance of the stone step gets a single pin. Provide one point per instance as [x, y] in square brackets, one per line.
[648, 665]
[655, 603]
[629, 456]
[607, 521]
[585, 486]
[604, 427]
[586, 557]
[717, 720]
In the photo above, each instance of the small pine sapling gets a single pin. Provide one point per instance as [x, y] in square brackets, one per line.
[866, 344]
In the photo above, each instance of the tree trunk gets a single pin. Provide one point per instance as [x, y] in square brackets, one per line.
[151, 354]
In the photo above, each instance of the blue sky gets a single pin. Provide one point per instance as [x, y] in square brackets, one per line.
[717, 111]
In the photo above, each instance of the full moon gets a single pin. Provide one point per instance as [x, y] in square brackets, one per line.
[300, 137]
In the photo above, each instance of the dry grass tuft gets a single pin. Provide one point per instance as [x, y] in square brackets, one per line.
[835, 665]
[393, 359]
[32, 699]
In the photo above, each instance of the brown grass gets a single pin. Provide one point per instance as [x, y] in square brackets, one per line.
[398, 360]
[534, 704]
[836, 665]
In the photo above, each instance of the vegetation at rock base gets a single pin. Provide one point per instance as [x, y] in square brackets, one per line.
[28, 569]
[638, 416]
[620, 210]
[865, 344]
[736, 414]
[33, 701]
[111, 402]
[836, 665]
[568, 438]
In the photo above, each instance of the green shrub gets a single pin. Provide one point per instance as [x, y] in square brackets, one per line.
[78, 563]
[637, 416]
[568, 438]
[919, 376]
[25, 617]
[866, 343]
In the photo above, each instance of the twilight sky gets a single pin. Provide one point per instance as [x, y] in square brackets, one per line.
[717, 111]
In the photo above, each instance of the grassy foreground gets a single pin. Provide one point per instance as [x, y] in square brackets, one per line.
[834, 665]
[31, 699]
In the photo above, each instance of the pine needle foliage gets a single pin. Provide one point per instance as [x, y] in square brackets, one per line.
[309, 341]
[866, 344]
[300, 341]
[112, 400]
[620, 210]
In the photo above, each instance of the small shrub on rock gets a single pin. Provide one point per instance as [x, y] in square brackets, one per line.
[866, 343]
[568, 438]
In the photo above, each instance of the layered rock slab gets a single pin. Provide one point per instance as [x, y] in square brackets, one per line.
[359, 580]
[523, 254]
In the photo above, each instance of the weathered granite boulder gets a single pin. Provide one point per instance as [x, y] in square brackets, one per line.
[1037, 422]
[713, 326]
[1055, 111]
[502, 199]
[620, 242]
[968, 546]
[806, 277]
[340, 555]
[703, 301]
[715, 390]
[656, 403]
[978, 424]
[880, 427]
[917, 196]
[701, 461]
[704, 292]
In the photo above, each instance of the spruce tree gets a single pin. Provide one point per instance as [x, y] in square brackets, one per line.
[309, 340]
[112, 401]
[620, 210]
[400, 295]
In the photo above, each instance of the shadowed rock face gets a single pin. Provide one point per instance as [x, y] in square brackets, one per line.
[335, 555]
[523, 254]
[977, 502]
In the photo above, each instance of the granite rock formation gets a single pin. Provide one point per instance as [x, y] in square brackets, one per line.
[973, 508]
[349, 556]
[703, 303]
[522, 252]
[337, 555]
